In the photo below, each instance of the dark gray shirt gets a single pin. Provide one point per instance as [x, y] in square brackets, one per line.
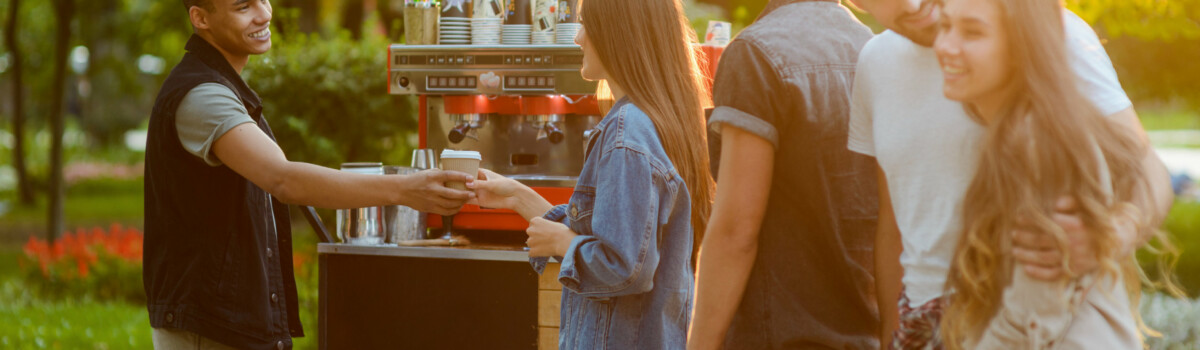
[787, 79]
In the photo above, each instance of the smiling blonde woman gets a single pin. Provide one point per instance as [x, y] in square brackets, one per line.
[1005, 59]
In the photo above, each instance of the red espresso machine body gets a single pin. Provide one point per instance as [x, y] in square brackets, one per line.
[525, 108]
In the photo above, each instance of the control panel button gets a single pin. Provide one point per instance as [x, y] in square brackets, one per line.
[460, 60]
[508, 59]
[441, 60]
[470, 59]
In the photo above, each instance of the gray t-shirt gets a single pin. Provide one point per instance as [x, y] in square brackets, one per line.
[207, 112]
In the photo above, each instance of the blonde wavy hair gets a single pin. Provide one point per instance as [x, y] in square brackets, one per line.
[645, 46]
[1041, 147]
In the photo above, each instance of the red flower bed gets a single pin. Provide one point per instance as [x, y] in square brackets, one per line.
[98, 263]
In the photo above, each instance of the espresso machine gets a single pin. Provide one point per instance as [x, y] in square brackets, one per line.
[525, 108]
[528, 112]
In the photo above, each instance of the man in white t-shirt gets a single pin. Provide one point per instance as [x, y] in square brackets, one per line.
[927, 149]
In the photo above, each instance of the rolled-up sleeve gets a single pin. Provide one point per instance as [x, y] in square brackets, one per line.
[206, 113]
[621, 256]
[748, 93]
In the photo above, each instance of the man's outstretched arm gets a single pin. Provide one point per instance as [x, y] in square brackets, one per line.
[250, 153]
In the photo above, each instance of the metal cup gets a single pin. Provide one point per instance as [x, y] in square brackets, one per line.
[424, 158]
[401, 223]
[361, 225]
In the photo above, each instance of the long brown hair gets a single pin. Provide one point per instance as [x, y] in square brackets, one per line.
[1044, 145]
[645, 46]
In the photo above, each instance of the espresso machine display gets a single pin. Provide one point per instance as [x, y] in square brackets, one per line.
[472, 69]
[524, 108]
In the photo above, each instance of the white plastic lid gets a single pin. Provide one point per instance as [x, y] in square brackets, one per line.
[452, 154]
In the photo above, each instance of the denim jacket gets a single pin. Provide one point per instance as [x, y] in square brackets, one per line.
[627, 277]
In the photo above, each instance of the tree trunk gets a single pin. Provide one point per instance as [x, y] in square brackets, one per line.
[309, 14]
[64, 10]
[352, 18]
[306, 20]
[389, 17]
[24, 188]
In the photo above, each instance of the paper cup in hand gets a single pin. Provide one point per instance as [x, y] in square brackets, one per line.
[466, 162]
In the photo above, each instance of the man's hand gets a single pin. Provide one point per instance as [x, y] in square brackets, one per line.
[548, 238]
[426, 191]
[1039, 252]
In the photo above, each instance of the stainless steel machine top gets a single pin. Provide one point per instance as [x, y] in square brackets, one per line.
[495, 70]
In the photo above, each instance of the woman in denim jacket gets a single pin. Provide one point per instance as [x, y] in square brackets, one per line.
[625, 240]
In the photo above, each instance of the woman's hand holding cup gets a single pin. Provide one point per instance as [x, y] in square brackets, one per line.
[493, 190]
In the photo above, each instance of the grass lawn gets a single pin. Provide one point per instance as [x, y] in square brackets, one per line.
[83, 210]
[1166, 118]
[28, 322]
[92, 203]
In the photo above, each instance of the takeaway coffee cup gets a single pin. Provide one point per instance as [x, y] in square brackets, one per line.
[456, 9]
[519, 12]
[544, 16]
[568, 11]
[488, 9]
[461, 161]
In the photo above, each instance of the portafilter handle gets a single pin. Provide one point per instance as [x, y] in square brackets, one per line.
[458, 133]
[554, 133]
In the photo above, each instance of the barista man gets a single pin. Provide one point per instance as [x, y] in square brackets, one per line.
[218, 270]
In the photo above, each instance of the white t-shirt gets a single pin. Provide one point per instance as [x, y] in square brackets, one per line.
[929, 148]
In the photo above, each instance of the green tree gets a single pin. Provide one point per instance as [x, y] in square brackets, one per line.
[1164, 20]
[24, 188]
[327, 102]
[64, 11]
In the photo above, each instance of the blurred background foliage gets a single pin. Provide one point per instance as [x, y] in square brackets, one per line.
[327, 100]
[325, 95]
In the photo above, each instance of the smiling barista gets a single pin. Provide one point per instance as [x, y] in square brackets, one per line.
[218, 270]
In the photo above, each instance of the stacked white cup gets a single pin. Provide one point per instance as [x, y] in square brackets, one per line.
[564, 33]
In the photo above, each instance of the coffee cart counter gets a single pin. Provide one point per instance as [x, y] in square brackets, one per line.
[469, 297]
